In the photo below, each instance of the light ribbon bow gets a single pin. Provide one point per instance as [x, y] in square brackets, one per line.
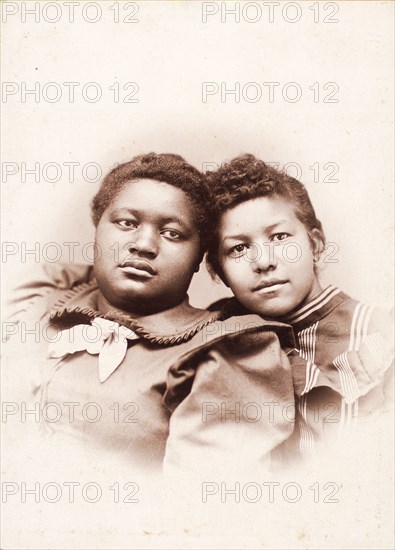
[103, 337]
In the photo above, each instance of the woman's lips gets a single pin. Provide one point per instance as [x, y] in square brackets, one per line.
[139, 268]
[269, 286]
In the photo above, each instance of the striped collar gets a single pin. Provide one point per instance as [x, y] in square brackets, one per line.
[302, 317]
[172, 326]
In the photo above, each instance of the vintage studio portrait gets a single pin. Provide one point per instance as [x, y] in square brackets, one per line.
[197, 297]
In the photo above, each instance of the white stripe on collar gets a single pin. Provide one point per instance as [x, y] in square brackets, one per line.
[316, 304]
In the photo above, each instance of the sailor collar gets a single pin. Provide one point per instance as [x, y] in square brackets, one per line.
[304, 316]
[300, 318]
[169, 327]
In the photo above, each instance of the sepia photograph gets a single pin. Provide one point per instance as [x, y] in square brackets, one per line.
[197, 275]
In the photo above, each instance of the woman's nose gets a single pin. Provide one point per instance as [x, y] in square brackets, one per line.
[263, 256]
[145, 242]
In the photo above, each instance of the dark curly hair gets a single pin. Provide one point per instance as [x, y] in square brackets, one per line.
[167, 168]
[245, 178]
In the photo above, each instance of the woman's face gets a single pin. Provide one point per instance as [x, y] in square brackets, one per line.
[147, 247]
[266, 256]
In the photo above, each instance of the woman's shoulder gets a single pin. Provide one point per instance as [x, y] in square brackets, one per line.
[227, 307]
[352, 345]
[42, 287]
[56, 276]
[363, 318]
[242, 328]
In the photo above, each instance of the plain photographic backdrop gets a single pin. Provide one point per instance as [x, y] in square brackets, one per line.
[170, 53]
[337, 138]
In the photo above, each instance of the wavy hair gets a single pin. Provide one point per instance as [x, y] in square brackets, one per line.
[245, 178]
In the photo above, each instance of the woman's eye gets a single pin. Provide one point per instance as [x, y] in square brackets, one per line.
[237, 250]
[127, 223]
[171, 234]
[279, 236]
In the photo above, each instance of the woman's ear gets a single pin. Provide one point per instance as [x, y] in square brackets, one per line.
[317, 243]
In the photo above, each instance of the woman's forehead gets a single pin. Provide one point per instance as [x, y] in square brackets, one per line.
[260, 212]
[152, 196]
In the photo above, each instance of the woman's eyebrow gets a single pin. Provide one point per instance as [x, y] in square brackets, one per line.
[265, 229]
[274, 225]
[124, 209]
[171, 219]
[160, 219]
[239, 237]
